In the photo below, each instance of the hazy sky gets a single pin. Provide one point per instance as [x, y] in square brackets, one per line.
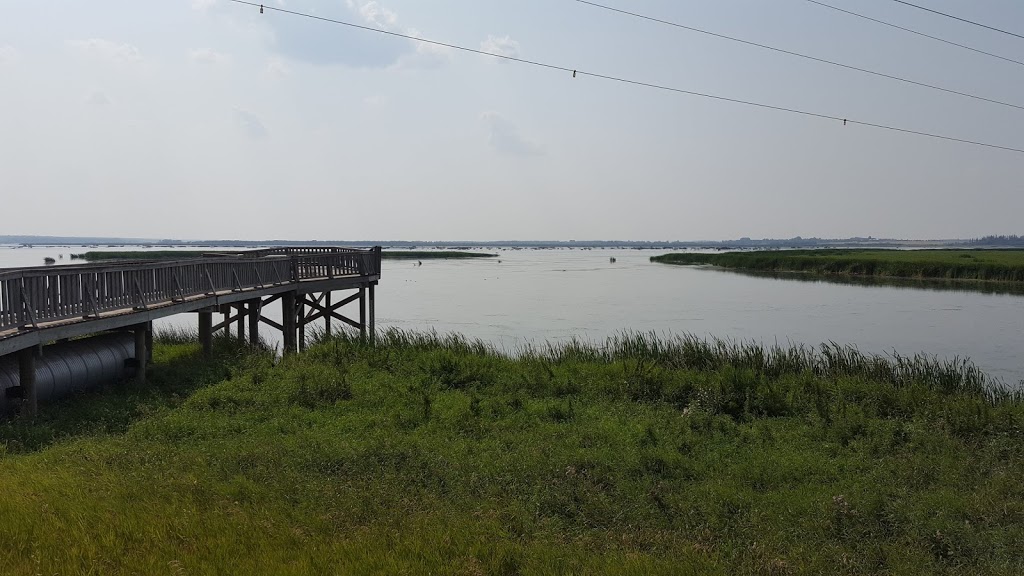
[206, 119]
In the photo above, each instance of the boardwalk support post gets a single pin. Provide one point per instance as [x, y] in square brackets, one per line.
[254, 322]
[241, 322]
[140, 352]
[149, 341]
[362, 312]
[373, 316]
[327, 317]
[301, 315]
[226, 312]
[27, 377]
[288, 319]
[206, 331]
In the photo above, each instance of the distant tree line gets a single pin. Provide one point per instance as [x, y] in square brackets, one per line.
[1011, 240]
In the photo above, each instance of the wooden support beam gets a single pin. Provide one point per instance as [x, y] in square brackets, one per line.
[327, 318]
[288, 318]
[302, 324]
[27, 377]
[254, 322]
[140, 353]
[206, 332]
[321, 311]
[149, 341]
[241, 322]
[270, 322]
[373, 316]
[362, 311]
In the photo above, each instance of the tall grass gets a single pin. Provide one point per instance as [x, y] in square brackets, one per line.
[688, 352]
[984, 265]
[438, 454]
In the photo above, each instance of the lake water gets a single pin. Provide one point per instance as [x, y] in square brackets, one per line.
[532, 296]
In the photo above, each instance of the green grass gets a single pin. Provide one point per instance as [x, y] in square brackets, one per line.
[998, 265]
[181, 254]
[437, 455]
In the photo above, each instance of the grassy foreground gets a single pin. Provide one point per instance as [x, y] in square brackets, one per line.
[429, 455]
[1003, 265]
[98, 256]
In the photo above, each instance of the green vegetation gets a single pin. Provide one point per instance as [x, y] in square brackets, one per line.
[99, 256]
[1000, 265]
[428, 455]
[181, 254]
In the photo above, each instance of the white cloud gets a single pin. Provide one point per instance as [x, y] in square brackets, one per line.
[250, 125]
[502, 46]
[202, 5]
[373, 13]
[206, 56]
[504, 137]
[107, 50]
[426, 55]
[316, 43]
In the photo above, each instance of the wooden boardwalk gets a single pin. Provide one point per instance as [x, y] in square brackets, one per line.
[45, 304]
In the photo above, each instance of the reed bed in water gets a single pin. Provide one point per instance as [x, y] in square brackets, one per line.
[988, 265]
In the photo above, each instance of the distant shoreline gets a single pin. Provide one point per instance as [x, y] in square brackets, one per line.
[99, 256]
[740, 244]
[970, 265]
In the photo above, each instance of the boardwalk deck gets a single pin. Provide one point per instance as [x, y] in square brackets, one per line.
[38, 305]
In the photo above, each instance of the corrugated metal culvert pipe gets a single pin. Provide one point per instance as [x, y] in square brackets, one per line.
[69, 367]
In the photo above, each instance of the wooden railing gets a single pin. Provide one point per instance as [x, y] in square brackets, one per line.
[29, 296]
[291, 251]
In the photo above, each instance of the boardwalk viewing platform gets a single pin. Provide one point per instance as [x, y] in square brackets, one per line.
[39, 305]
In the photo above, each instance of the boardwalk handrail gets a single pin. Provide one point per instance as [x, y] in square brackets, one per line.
[30, 296]
[293, 250]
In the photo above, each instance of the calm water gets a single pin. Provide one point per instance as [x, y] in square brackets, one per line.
[538, 295]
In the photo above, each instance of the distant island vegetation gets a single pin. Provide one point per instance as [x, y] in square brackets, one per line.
[995, 265]
[99, 256]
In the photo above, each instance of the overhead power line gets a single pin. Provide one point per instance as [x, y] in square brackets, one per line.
[578, 72]
[972, 22]
[799, 55]
[912, 31]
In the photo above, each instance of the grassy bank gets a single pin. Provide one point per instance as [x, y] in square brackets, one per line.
[999, 265]
[428, 455]
[97, 256]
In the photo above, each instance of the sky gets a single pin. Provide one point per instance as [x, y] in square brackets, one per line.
[204, 119]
